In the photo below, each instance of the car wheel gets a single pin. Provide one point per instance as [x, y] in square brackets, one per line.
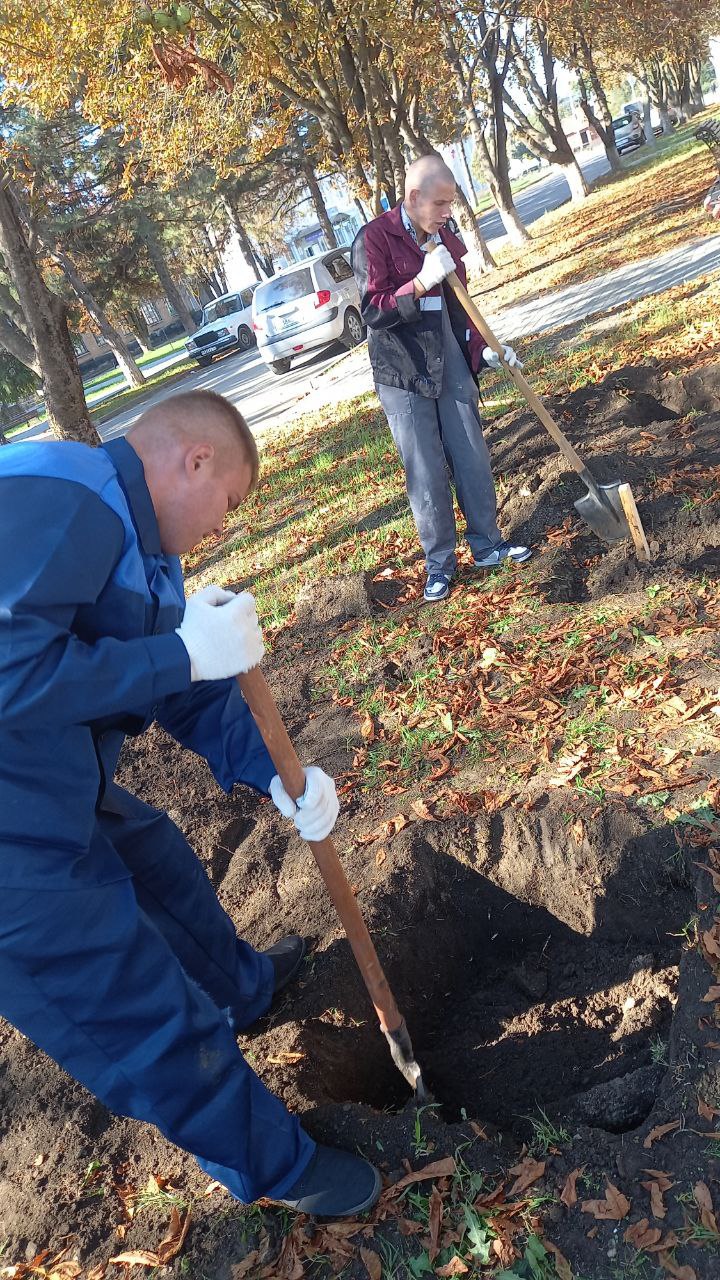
[245, 338]
[204, 361]
[281, 366]
[353, 329]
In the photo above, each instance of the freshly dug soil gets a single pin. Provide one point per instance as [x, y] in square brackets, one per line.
[543, 956]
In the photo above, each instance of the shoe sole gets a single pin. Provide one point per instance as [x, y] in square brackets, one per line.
[496, 563]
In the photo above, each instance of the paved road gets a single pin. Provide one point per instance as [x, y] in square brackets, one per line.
[546, 194]
[247, 382]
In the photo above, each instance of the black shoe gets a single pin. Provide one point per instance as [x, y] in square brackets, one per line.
[437, 587]
[287, 956]
[336, 1184]
[503, 551]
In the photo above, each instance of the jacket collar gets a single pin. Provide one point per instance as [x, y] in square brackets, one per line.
[131, 475]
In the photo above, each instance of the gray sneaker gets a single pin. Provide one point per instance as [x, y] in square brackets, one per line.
[336, 1184]
[503, 551]
[437, 587]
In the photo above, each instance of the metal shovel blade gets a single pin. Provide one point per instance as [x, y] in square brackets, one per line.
[602, 509]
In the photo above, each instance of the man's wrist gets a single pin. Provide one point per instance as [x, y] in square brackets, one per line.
[420, 289]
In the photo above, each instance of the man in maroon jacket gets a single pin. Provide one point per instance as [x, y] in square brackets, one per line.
[425, 353]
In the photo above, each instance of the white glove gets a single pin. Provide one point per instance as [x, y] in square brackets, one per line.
[435, 268]
[492, 359]
[221, 633]
[315, 812]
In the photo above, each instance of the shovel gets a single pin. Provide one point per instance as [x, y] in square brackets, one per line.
[256, 693]
[601, 507]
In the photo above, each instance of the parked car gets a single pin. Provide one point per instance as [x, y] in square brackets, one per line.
[226, 323]
[310, 304]
[628, 132]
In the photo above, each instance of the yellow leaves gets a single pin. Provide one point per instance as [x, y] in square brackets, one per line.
[614, 1207]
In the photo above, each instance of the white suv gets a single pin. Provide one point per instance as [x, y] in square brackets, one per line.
[226, 323]
[307, 305]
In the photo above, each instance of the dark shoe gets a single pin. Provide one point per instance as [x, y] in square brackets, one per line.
[437, 587]
[336, 1184]
[287, 956]
[503, 551]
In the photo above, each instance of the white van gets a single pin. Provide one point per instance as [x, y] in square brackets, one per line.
[226, 323]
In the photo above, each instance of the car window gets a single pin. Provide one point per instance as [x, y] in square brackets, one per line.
[338, 268]
[246, 297]
[220, 308]
[298, 284]
[622, 122]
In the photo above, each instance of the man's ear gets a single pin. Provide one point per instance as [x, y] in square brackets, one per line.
[198, 457]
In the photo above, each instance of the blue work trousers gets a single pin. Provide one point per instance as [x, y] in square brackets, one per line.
[122, 966]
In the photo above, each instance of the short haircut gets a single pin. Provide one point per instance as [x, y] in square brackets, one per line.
[191, 407]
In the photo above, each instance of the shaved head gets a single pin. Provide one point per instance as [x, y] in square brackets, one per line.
[425, 172]
[200, 461]
[429, 193]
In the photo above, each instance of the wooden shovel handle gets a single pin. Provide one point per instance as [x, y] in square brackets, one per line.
[258, 696]
[521, 382]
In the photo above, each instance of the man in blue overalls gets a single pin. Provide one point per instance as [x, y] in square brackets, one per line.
[115, 955]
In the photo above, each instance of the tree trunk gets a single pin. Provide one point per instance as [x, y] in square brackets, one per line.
[171, 290]
[602, 124]
[487, 262]
[243, 238]
[320, 207]
[647, 122]
[466, 168]
[360, 208]
[135, 377]
[573, 175]
[46, 319]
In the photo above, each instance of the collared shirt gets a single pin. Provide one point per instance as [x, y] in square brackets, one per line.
[407, 223]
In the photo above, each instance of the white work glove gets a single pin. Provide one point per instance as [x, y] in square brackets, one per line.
[492, 359]
[315, 812]
[435, 268]
[221, 633]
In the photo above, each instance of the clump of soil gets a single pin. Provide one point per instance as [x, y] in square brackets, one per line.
[540, 953]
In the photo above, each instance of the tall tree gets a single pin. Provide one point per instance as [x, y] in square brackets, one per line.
[39, 321]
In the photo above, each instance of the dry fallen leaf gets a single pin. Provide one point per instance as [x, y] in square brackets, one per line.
[657, 1204]
[568, 1195]
[712, 995]
[680, 1273]
[367, 728]
[438, 1169]
[136, 1258]
[562, 1266]
[641, 1234]
[435, 1215]
[525, 1173]
[455, 1267]
[173, 1242]
[706, 1111]
[614, 1207]
[703, 1200]
[661, 1129]
[372, 1263]
[241, 1269]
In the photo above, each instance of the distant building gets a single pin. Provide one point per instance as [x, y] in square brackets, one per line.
[92, 349]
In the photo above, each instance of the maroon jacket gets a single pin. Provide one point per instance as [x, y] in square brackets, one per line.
[405, 338]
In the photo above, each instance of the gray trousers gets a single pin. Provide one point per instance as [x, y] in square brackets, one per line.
[434, 437]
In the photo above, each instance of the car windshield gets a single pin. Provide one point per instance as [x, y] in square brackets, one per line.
[218, 310]
[622, 122]
[297, 284]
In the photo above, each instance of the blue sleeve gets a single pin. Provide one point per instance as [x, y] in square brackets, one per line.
[60, 544]
[214, 720]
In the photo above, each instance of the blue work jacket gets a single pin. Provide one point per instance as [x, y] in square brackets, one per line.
[88, 653]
